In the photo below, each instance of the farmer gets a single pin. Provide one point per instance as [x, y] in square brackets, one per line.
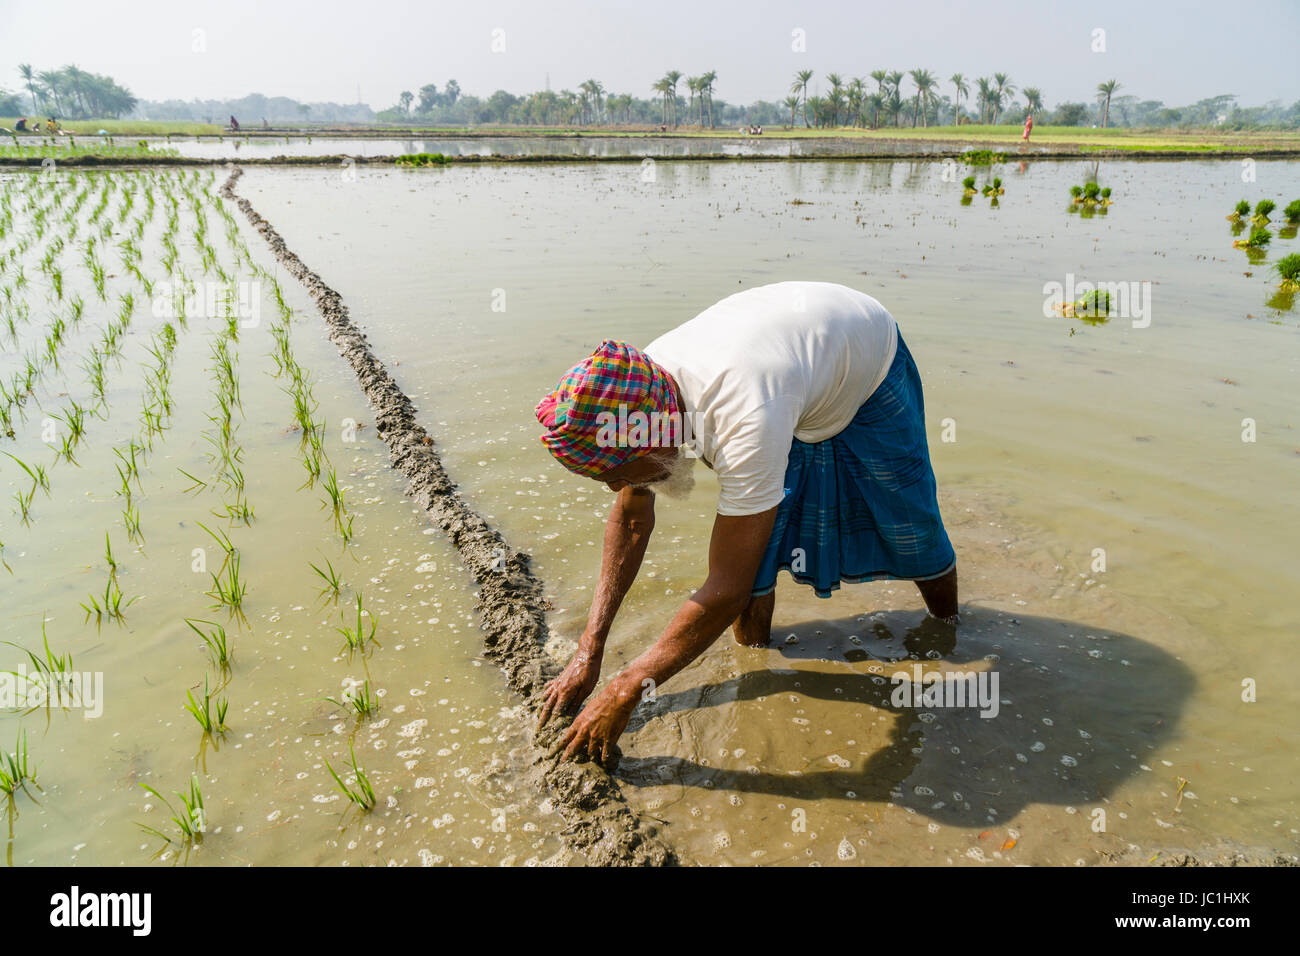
[1029, 125]
[804, 401]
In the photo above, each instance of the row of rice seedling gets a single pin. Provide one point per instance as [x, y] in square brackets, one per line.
[359, 626]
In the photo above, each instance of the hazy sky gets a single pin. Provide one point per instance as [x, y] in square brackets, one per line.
[1178, 52]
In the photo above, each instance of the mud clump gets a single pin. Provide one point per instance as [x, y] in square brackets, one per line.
[602, 828]
[1223, 853]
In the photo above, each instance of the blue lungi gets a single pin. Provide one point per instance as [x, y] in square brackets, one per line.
[861, 505]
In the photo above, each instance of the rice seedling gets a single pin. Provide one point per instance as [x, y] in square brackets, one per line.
[423, 159]
[1259, 238]
[192, 822]
[364, 794]
[215, 640]
[210, 714]
[331, 486]
[344, 527]
[66, 448]
[228, 589]
[108, 555]
[994, 188]
[1239, 212]
[311, 461]
[239, 510]
[222, 539]
[112, 606]
[1094, 307]
[24, 505]
[355, 638]
[52, 667]
[131, 519]
[360, 700]
[333, 582]
[198, 484]
[1090, 194]
[1288, 267]
[1292, 211]
[36, 473]
[968, 185]
[15, 768]
[1262, 209]
[94, 368]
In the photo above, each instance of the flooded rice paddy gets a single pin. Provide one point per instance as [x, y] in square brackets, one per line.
[268, 147]
[1124, 554]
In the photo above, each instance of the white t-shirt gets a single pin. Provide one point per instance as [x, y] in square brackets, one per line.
[773, 363]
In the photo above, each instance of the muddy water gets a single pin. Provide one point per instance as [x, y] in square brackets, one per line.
[1121, 726]
[439, 749]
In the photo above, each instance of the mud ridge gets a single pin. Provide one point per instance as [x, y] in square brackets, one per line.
[602, 828]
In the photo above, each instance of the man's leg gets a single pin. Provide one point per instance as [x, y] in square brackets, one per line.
[754, 626]
[940, 596]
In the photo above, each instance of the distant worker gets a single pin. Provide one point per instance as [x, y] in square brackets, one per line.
[234, 123]
[21, 125]
[1029, 124]
[51, 127]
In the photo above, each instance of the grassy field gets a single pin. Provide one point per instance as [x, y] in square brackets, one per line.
[126, 127]
[1082, 137]
[1122, 138]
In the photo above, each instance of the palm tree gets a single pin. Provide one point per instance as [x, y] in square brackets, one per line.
[693, 87]
[962, 88]
[591, 92]
[51, 87]
[78, 82]
[707, 80]
[1004, 89]
[894, 98]
[983, 94]
[1104, 92]
[29, 78]
[879, 99]
[821, 110]
[924, 81]
[661, 87]
[857, 90]
[672, 78]
[875, 102]
[800, 88]
[791, 103]
[1033, 98]
[835, 97]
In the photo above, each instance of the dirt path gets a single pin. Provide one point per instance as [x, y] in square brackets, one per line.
[602, 828]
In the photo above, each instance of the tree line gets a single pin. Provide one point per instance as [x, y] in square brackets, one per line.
[69, 93]
[882, 99]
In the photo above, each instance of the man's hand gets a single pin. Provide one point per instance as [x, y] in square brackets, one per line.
[572, 686]
[735, 551]
[601, 723]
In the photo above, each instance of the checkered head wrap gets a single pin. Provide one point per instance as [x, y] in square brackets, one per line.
[590, 419]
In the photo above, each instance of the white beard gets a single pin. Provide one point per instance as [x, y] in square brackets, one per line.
[680, 481]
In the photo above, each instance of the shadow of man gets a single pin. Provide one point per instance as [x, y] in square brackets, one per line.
[1066, 714]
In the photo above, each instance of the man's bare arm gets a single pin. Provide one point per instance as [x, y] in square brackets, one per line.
[627, 534]
[735, 551]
